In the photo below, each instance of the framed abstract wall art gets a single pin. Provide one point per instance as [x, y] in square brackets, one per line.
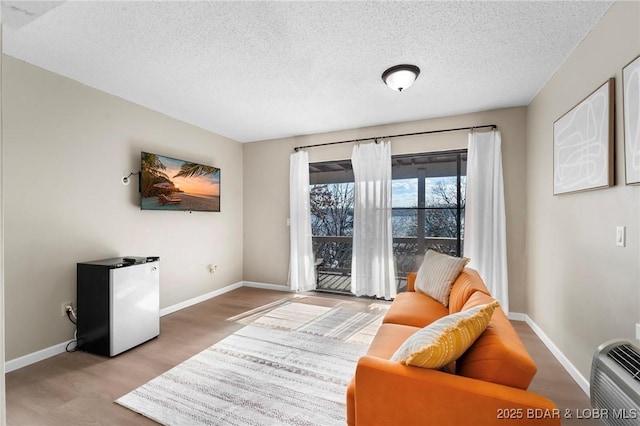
[583, 143]
[631, 109]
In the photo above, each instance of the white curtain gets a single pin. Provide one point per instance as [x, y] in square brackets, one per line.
[301, 262]
[485, 234]
[372, 264]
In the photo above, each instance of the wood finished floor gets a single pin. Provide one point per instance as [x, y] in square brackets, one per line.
[79, 388]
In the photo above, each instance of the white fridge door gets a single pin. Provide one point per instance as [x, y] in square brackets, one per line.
[135, 305]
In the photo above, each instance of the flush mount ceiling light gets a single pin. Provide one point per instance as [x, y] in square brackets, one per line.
[400, 77]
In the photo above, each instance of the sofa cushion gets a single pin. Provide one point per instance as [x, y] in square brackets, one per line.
[498, 356]
[389, 338]
[414, 309]
[467, 283]
[437, 273]
[445, 340]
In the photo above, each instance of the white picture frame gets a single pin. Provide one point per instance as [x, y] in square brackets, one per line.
[631, 118]
[583, 143]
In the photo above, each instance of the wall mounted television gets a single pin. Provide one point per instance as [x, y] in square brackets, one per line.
[170, 184]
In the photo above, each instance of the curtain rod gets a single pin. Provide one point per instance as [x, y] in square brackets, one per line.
[492, 126]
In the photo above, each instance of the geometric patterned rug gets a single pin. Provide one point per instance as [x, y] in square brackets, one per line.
[289, 365]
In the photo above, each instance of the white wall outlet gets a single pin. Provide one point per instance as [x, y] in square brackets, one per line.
[63, 308]
[621, 236]
[638, 331]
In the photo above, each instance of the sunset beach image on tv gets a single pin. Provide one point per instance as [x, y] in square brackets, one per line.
[171, 184]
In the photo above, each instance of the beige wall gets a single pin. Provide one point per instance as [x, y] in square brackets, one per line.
[582, 288]
[266, 191]
[66, 147]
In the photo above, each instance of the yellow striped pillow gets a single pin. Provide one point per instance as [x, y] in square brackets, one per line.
[446, 339]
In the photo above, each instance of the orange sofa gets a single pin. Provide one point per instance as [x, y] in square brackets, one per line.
[486, 386]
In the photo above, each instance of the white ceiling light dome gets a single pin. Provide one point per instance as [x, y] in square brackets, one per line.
[400, 77]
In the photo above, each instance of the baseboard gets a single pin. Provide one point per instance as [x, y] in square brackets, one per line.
[54, 350]
[515, 316]
[562, 359]
[265, 286]
[34, 357]
[43, 354]
[178, 306]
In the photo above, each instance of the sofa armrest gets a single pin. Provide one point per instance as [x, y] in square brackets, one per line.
[411, 279]
[388, 393]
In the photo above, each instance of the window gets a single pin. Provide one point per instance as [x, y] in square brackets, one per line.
[428, 202]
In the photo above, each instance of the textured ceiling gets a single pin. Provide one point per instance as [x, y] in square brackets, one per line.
[261, 70]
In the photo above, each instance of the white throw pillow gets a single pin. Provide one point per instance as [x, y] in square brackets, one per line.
[437, 274]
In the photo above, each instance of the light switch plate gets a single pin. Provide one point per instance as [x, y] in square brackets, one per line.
[621, 237]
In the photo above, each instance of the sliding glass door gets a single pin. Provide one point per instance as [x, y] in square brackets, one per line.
[428, 212]
[332, 223]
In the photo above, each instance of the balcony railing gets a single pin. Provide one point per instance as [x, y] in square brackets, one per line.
[333, 259]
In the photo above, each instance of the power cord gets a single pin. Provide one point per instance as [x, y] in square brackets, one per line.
[70, 314]
[74, 319]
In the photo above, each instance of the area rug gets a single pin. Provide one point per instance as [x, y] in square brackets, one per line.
[290, 366]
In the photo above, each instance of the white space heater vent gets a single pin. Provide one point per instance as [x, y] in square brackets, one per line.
[615, 383]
